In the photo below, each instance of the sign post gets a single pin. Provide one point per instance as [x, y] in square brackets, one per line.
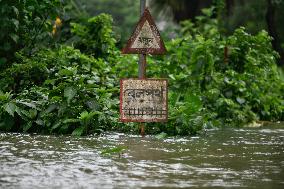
[144, 100]
[142, 64]
[142, 57]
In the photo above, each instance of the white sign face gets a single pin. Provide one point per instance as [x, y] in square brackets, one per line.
[143, 100]
[145, 38]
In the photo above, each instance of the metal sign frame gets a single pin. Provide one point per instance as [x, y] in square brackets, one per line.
[122, 119]
[145, 17]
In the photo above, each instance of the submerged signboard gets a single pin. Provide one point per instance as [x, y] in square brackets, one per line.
[143, 100]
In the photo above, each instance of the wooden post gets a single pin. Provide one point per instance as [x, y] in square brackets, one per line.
[142, 64]
[142, 57]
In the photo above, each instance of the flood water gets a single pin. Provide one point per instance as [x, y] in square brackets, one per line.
[225, 158]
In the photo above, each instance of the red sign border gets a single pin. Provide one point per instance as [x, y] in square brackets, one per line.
[128, 50]
[142, 120]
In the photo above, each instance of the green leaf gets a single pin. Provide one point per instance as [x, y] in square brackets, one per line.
[194, 103]
[16, 23]
[50, 108]
[32, 113]
[16, 11]
[115, 150]
[85, 116]
[172, 77]
[5, 96]
[161, 135]
[93, 105]
[49, 81]
[10, 108]
[25, 113]
[71, 121]
[27, 126]
[56, 98]
[31, 8]
[240, 100]
[68, 71]
[14, 37]
[69, 93]
[78, 131]
[19, 111]
[28, 104]
[56, 125]
[40, 122]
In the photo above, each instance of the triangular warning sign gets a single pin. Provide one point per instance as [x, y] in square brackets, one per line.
[146, 38]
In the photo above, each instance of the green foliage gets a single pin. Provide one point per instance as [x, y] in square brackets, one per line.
[161, 135]
[115, 150]
[75, 90]
[124, 12]
[25, 23]
[95, 36]
[185, 114]
[204, 25]
[234, 89]
[69, 94]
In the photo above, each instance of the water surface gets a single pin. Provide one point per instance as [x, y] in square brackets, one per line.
[228, 158]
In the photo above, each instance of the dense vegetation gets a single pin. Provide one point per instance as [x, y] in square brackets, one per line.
[64, 77]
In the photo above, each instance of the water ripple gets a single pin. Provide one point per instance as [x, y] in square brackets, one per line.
[232, 158]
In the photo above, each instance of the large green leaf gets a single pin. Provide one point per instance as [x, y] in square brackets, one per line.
[32, 113]
[193, 102]
[10, 108]
[69, 93]
[78, 131]
[27, 126]
[5, 96]
[240, 100]
[65, 72]
[86, 116]
[50, 108]
[28, 104]
[161, 135]
[114, 150]
[14, 37]
[71, 121]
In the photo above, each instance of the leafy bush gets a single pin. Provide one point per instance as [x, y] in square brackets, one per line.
[235, 88]
[25, 24]
[213, 81]
[94, 36]
[70, 93]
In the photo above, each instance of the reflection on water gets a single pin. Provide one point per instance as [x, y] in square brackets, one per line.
[231, 158]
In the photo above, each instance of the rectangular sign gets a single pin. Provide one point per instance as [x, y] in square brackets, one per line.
[143, 100]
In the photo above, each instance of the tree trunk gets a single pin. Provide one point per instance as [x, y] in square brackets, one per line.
[190, 9]
[272, 30]
[229, 7]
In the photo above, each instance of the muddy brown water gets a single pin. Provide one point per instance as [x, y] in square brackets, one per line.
[224, 158]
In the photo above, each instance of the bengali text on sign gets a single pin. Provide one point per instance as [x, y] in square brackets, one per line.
[143, 100]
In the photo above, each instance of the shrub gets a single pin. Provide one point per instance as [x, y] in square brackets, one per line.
[60, 91]
[75, 90]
